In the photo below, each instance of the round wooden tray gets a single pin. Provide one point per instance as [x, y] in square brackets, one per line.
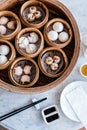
[72, 51]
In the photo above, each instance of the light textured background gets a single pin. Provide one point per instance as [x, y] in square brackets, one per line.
[31, 119]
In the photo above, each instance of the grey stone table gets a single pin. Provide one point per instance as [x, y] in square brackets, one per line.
[31, 119]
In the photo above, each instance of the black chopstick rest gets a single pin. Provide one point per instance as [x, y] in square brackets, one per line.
[20, 109]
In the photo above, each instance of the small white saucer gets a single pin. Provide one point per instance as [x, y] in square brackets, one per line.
[64, 103]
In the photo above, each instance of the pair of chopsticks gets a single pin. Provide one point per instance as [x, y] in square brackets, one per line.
[20, 109]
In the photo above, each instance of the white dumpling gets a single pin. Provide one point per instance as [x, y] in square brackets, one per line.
[58, 27]
[11, 25]
[63, 36]
[54, 66]
[31, 17]
[25, 78]
[3, 30]
[3, 20]
[27, 69]
[18, 70]
[33, 38]
[4, 50]
[23, 42]
[31, 48]
[3, 59]
[33, 9]
[37, 14]
[49, 60]
[53, 35]
[56, 59]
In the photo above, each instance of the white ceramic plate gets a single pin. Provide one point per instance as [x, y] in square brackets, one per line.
[64, 103]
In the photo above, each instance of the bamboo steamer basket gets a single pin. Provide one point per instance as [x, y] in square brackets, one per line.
[31, 3]
[25, 31]
[8, 4]
[12, 56]
[18, 26]
[43, 69]
[57, 9]
[53, 43]
[18, 60]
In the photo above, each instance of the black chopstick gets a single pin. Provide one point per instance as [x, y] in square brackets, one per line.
[20, 109]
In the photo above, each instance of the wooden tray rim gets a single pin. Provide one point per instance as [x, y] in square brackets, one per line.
[38, 89]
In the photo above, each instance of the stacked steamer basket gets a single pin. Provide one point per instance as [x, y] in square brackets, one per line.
[49, 46]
